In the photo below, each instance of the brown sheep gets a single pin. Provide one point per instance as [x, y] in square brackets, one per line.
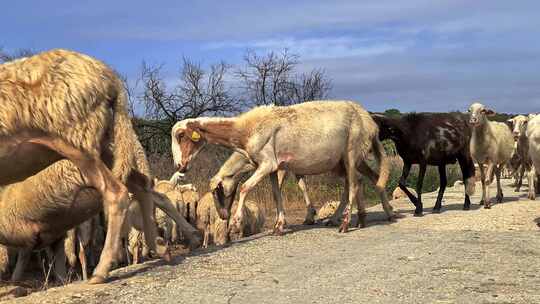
[58, 105]
[291, 138]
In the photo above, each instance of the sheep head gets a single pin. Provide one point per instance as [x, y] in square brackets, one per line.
[519, 126]
[478, 114]
[186, 142]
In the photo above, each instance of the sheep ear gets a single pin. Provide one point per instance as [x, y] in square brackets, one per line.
[490, 112]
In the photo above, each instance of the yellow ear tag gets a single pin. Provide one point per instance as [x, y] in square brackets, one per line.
[195, 136]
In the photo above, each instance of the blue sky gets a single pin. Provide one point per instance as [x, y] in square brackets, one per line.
[413, 55]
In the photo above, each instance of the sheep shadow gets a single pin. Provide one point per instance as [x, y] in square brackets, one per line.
[537, 221]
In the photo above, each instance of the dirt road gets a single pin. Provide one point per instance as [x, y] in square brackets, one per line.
[476, 256]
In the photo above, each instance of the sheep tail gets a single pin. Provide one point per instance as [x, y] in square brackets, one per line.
[384, 162]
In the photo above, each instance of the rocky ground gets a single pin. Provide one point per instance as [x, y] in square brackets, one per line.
[476, 256]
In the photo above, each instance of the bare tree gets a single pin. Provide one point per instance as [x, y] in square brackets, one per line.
[198, 92]
[272, 79]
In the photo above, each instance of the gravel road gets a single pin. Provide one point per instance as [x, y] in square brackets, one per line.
[476, 256]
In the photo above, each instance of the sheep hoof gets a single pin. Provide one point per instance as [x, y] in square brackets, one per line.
[532, 197]
[96, 279]
[466, 207]
[481, 203]
[487, 206]
[418, 213]
[344, 228]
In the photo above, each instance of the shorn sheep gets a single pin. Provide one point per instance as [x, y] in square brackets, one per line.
[533, 135]
[291, 138]
[436, 139]
[491, 144]
[519, 130]
[62, 104]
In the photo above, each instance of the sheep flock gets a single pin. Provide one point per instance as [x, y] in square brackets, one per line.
[76, 188]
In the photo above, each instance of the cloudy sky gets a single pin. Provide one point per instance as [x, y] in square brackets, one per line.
[413, 55]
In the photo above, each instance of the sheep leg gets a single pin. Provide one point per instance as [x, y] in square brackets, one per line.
[144, 198]
[23, 255]
[466, 165]
[82, 259]
[278, 199]
[114, 195]
[374, 176]
[500, 195]
[361, 208]
[310, 210]
[352, 177]
[403, 186]
[485, 187]
[187, 230]
[334, 219]
[442, 187]
[421, 174]
[519, 182]
[264, 169]
[530, 179]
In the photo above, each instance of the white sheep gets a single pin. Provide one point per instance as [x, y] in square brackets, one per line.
[491, 144]
[533, 134]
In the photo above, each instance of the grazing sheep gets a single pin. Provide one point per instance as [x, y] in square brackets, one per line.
[519, 129]
[209, 223]
[399, 194]
[491, 144]
[252, 222]
[436, 139]
[58, 105]
[237, 164]
[291, 138]
[533, 134]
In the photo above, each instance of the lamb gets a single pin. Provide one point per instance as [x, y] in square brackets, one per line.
[519, 128]
[58, 105]
[533, 135]
[328, 209]
[436, 139]
[290, 138]
[209, 222]
[491, 144]
[252, 222]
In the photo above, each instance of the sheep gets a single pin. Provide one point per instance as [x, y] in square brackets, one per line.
[519, 128]
[252, 222]
[60, 198]
[291, 138]
[491, 144]
[533, 135]
[399, 194]
[327, 209]
[436, 139]
[209, 222]
[237, 164]
[60, 104]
